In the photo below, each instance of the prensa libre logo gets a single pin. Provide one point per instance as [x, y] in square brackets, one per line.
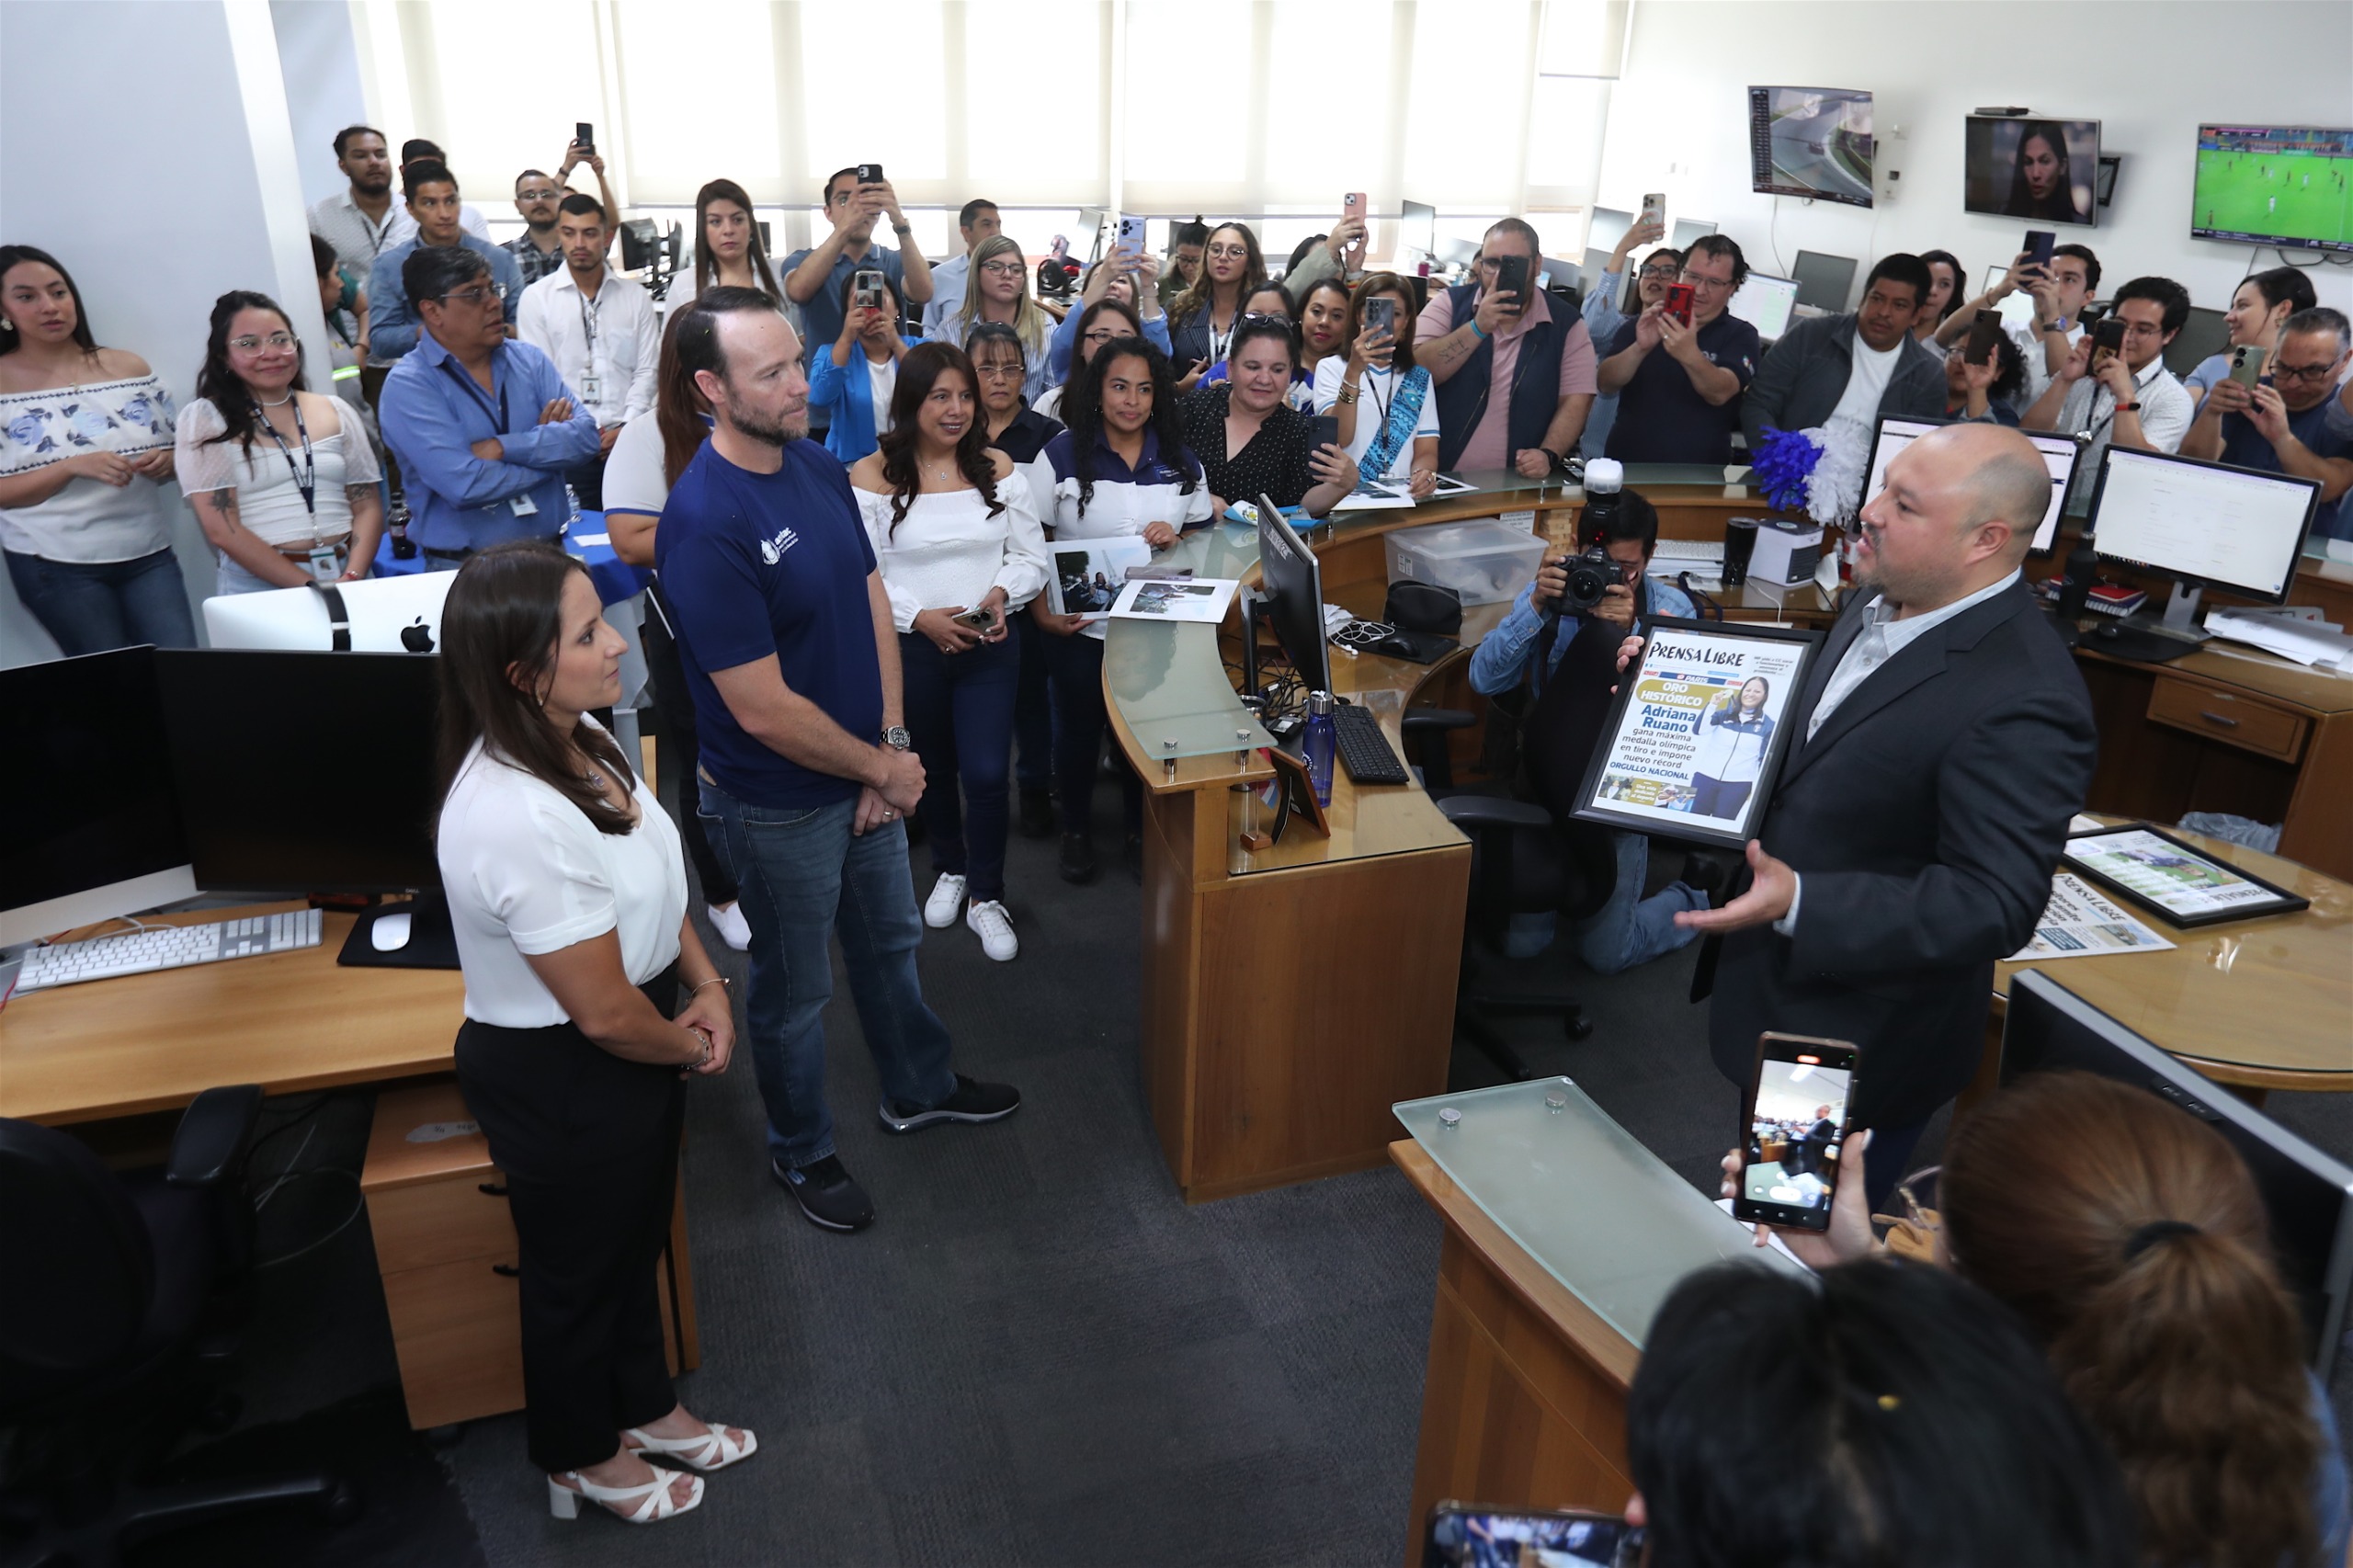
[772, 550]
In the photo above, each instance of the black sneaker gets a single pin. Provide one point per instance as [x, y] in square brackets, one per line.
[973, 1101]
[1037, 813]
[827, 1194]
[1078, 857]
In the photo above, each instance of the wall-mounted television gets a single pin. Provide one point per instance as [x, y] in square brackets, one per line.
[1810, 142]
[2274, 184]
[2031, 167]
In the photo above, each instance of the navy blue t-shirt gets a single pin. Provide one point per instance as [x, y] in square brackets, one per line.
[772, 563]
[2247, 446]
[1662, 418]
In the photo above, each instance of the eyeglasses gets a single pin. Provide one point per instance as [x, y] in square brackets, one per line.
[1665, 274]
[1006, 268]
[248, 342]
[539, 195]
[1712, 284]
[1277, 317]
[482, 294]
[2301, 372]
[1103, 335]
[1229, 253]
[1000, 367]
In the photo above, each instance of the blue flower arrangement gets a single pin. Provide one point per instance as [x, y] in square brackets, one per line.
[1784, 464]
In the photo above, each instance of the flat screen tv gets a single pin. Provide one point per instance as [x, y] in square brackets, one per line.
[1810, 142]
[2043, 170]
[2274, 184]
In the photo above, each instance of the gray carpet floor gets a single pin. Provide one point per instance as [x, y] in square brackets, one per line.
[1040, 1355]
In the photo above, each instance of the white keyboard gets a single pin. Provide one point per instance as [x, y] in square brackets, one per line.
[1690, 550]
[168, 947]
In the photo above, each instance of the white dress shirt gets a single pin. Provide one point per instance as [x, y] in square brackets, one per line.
[611, 343]
[1881, 638]
[358, 238]
[2090, 410]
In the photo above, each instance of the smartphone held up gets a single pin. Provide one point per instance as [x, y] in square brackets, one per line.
[1678, 303]
[1799, 1098]
[1472, 1535]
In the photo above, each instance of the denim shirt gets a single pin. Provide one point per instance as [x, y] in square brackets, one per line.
[1503, 655]
[433, 412]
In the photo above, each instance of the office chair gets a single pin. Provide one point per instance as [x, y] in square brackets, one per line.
[125, 1299]
[1522, 862]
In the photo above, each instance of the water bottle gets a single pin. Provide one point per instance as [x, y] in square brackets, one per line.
[403, 547]
[572, 507]
[1321, 740]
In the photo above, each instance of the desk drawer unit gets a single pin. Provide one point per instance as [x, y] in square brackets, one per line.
[2187, 703]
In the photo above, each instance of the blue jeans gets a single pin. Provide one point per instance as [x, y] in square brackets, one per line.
[1033, 713]
[115, 604]
[1632, 929]
[960, 714]
[804, 876]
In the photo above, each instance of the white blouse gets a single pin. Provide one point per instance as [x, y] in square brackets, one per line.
[948, 550]
[526, 873]
[88, 521]
[270, 502]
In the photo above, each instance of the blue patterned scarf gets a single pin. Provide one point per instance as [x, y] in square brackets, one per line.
[1404, 413]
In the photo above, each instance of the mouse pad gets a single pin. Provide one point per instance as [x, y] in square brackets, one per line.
[431, 943]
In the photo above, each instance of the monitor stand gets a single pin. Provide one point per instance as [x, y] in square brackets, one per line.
[432, 943]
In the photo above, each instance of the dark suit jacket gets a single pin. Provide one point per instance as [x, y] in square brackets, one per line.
[1923, 821]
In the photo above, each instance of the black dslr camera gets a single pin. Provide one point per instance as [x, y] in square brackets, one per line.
[1591, 575]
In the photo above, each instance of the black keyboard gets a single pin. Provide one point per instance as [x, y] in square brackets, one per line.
[1364, 750]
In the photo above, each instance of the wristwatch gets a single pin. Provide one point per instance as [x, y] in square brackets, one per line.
[903, 228]
[2132, 407]
[897, 738]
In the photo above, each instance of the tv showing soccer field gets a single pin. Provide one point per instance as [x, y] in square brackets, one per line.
[1810, 142]
[2044, 171]
[2274, 184]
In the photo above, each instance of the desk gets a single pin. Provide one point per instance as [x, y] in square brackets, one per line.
[1563, 1235]
[615, 579]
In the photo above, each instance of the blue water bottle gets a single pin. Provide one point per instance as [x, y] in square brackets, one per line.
[1318, 744]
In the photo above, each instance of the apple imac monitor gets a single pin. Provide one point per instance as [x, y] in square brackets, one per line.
[1416, 228]
[2041, 170]
[2307, 1195]
[1810, 142]
[93, 824]
[304, 772]
[2057, 452]
[2273, 184]
[387, 615]
[1824, 282]
[2203, 524]
[1292, 580]
[1765, 303]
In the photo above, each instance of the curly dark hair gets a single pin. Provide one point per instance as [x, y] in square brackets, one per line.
[1082, 412]
[918, 373]
[218, 383]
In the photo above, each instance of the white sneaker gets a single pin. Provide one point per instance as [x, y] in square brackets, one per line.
[728, 920]
[993, 927]
[947, 896]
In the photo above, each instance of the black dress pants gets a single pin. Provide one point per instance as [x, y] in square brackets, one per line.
[674, 705]
[589, 1146]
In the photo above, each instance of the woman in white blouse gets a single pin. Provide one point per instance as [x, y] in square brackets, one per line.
[568, 897]
[282, 478]
[956, 532]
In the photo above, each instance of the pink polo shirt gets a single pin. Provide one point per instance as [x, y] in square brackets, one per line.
[1487, 442]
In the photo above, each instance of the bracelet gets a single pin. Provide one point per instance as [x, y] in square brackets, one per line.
[2133, 408]
[714, 980]
[1348, 394]
[1476, 330]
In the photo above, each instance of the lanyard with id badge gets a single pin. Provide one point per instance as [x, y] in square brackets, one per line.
[589, 382]
[501, 422]
[325, 561]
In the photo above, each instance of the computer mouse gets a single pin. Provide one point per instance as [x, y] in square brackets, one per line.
[390, 933]
[2108, 630]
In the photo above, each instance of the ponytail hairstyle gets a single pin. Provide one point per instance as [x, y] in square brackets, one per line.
[500, 626]
[1082, 414]
[219, 385]
[756, 254]
[919, 373]
[2130, 1237]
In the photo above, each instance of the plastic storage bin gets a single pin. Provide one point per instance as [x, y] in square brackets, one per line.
[1485, 561]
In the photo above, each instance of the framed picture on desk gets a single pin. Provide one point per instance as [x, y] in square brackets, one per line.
[2181, 885]
[1696, 734]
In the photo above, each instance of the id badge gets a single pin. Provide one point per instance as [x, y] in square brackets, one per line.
[588, 388]
[524, 506]
[327, 564]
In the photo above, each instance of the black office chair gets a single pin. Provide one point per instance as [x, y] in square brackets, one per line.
[121, 1315]
[1522, 862]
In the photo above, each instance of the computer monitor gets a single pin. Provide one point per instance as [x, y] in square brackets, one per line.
[93, 826]
[2271, 185]
[1896, 432]
[2203, 524]
[1824, 282]
[2204, 335]
[304, 772]
[388, 615]
[1293, 582]
[1686, 231]
[2308, 1195]
[1765, 303]
[1609, 226]
[1416, 228]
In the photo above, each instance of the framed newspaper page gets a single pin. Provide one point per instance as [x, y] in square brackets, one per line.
[2181, 885]
[1695, 736]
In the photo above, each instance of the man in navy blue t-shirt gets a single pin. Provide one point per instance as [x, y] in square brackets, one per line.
[792, 659]
[2284, 424]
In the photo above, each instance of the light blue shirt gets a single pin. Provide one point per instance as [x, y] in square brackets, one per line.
[1064, 343]
[1602, 318]
[947, 282]
[433, 412]
[1502, 655]
[393, 325]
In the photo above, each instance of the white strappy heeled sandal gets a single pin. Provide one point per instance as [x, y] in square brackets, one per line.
[714, 1450]
[632, 1505]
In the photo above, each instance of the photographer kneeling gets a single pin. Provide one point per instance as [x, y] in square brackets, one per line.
[1532, 641]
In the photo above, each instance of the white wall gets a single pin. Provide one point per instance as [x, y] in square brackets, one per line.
[212, 107]
[2150, 72]
[319, 60]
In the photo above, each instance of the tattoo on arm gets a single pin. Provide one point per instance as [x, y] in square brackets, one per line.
[223, 502]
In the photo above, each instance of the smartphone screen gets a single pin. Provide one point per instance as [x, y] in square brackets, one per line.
[2038, 246]
[1798, 1100]
[1511, 277]
[2247, 364]
[1472, 1535]
[1983, 328]
[1678, 301]
[586, 134]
